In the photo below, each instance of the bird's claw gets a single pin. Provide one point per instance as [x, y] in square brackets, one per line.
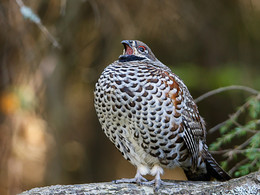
[157, 183]
[138, 180]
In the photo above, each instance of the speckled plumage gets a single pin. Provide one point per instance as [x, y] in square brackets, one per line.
[148, 113]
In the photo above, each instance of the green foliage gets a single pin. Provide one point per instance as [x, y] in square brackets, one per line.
[254, 107]
[243, 170]
[255, 141]
[249, 132]
[224, 164]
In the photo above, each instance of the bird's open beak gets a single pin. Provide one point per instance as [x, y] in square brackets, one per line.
[128, 50]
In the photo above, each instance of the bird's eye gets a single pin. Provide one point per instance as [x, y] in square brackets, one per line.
[142, 49]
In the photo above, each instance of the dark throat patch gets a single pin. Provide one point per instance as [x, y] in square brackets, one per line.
[127, 58]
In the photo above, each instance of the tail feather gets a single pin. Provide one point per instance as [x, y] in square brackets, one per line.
[213, 168]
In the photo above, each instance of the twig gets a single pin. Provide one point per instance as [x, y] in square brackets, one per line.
[220, 151]
[236, 150]
[245, 143]
[243, 128]
[231, 171]
[216, 127]
[29, 14]
[232, 117]
[254, 162]
[219, 90]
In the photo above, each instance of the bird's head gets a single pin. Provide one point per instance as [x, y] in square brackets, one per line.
[136, 50]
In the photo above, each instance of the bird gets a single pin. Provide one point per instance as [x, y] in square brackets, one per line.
[149, 114]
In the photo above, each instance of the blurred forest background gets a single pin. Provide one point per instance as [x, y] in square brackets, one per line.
[49, 131]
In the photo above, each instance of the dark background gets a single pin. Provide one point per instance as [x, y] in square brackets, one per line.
[49, 131]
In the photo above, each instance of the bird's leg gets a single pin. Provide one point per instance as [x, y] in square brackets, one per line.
[157, 182]
[141, 170]
[156, 171]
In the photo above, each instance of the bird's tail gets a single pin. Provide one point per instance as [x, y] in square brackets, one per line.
[213, 168]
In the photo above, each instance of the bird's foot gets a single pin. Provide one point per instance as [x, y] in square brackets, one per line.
[157, 183]
[138, 180]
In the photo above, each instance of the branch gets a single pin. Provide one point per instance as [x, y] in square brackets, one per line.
[231, 171]
[216, 127]
[249, 184]
[232, 117]
[219, 90]
[29, 14]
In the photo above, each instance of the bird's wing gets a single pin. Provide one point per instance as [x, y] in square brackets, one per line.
[192, 123]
